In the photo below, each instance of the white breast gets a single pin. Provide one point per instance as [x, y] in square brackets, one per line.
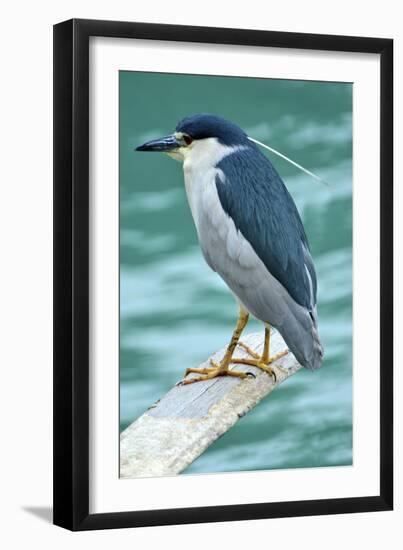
[200, 174]
[222, 244]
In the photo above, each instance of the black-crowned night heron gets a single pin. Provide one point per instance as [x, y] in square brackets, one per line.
[251, 234]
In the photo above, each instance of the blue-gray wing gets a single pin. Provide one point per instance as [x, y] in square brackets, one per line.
[252, 193]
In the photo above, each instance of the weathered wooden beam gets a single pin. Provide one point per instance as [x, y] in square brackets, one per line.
[177, 429]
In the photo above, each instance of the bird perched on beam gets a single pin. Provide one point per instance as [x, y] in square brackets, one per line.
[251, 234]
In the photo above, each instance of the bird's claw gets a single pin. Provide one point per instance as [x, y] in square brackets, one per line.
[256, 363]
[209, 373]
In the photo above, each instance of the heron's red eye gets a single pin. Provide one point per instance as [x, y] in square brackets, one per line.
[187, 139]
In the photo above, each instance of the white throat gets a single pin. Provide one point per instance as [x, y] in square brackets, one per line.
[200, 169]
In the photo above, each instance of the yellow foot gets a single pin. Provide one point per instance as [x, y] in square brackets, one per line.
[212, 372]
[260, 363]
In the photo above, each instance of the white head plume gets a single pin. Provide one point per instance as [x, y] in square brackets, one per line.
[289, 160]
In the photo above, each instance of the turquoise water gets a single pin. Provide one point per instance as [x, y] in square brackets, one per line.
[175, 311]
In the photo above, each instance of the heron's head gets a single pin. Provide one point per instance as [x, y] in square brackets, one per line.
[194, 132]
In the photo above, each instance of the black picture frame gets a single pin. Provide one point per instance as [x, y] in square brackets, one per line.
[71, 274]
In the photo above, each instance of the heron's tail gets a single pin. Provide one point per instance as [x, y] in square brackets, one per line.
[314, 361]
[302, 338]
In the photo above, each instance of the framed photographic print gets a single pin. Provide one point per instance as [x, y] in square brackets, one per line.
[223, 297]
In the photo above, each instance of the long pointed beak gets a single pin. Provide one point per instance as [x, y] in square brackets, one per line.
[167, 143]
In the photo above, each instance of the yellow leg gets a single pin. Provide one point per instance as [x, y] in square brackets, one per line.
[264, 361]
[266, 347]
[222, 368]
